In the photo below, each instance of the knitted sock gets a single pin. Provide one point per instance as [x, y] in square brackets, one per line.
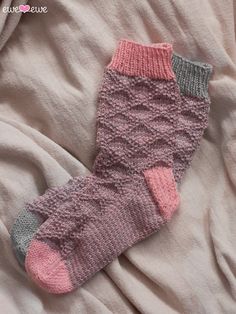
[192, 78]
[132, 191]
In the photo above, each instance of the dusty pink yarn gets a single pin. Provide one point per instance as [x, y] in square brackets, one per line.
[132, 191]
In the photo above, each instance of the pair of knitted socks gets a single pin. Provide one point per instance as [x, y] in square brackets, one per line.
[153, 109]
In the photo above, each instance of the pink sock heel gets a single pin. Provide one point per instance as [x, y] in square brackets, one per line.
[162, 185]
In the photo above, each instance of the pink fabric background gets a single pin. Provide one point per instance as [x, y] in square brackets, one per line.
[51, 69]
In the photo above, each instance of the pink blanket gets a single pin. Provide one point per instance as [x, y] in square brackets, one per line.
[51, 67]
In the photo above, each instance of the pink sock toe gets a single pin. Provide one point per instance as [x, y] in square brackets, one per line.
[46, 267]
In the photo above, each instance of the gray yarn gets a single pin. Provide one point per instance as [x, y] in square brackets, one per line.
[22, 233]
[192, 77]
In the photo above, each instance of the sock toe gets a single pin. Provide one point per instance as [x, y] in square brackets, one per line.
[46, 267]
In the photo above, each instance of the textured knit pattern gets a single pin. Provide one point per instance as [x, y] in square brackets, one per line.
[136, 124]
[119, 205]
[29, 221]
[191, 124]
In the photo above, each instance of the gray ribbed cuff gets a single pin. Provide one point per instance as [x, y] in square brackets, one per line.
[192, 77]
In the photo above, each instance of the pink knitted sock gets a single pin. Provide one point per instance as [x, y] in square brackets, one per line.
[132, 191]
[192, 78]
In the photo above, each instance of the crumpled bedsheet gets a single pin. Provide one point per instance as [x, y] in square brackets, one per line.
[51, 68]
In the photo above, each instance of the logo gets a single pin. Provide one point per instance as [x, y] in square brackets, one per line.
[25, 8]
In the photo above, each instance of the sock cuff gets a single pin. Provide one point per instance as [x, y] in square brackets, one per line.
[192, 77]
[153, 61]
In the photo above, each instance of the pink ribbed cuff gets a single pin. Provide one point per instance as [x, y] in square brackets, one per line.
[152, 61]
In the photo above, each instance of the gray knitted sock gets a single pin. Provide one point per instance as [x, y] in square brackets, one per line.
[192, 78]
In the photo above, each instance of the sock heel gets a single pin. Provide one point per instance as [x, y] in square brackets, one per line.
[163, 187]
